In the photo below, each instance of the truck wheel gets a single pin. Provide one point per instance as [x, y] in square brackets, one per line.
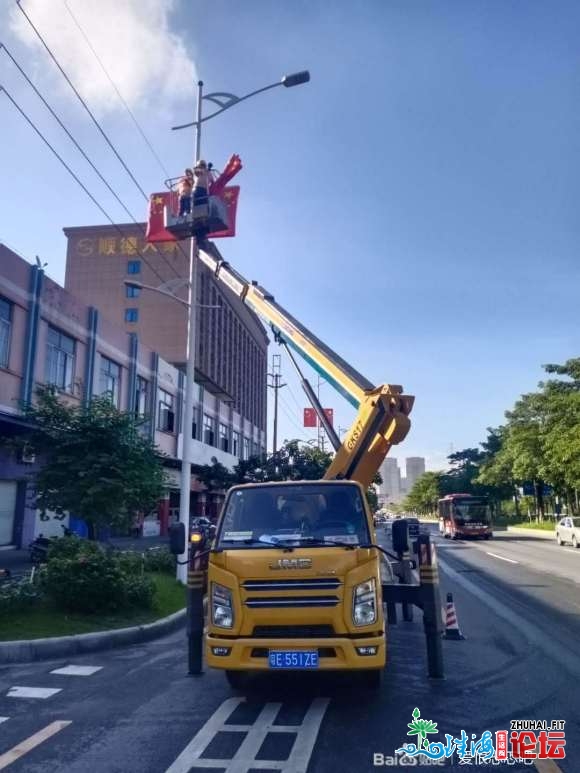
[372, 679]
[558, 539]
[237, 680]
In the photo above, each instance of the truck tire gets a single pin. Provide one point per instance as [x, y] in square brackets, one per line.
[237, 680]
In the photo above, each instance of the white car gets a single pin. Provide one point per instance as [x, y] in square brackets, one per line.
[568, 530]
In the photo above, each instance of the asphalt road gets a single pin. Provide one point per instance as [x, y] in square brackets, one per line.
[517, 605]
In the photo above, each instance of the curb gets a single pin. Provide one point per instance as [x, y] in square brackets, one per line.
[29, 650]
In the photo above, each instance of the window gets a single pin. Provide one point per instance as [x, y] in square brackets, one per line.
[208, 430]
[224, 439]
[166, 420]
[131, 315]
[194, 429]
[325, 511]
[236, 443]
[5, 324]
[246, 453]
[132, 292]
[141, 401]
[60, 355]
[133, 266]
[110, 379]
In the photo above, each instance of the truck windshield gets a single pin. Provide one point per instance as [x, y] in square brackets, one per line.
[472, 512]
[308, 513]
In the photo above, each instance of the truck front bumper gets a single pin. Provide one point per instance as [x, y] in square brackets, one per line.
[334, 654]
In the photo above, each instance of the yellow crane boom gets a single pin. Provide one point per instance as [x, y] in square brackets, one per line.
[383, 411]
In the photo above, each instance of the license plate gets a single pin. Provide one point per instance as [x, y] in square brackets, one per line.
[293, 659]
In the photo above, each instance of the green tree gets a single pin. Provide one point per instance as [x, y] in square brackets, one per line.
[214, 476]
[294, 460]
[97, 465]
[527, 422]
[425, 493]
[463, 471]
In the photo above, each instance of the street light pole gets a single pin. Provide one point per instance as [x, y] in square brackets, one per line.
[187, 444]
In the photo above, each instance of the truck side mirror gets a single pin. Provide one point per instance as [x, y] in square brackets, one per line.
[177, 538]
[400, 534]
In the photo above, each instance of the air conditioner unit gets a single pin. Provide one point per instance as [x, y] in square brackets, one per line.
[27, 456]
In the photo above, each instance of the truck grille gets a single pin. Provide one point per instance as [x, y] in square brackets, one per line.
[292, 631]
[314, 583]
[292, 601]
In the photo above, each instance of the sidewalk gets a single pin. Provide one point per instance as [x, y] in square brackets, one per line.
[17, 561]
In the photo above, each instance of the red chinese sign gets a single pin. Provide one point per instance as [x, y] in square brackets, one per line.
[311, 418]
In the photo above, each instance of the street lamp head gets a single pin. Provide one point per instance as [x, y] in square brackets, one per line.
[296, 79]
[132, 283]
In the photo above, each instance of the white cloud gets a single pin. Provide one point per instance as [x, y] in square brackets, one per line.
[147, 61]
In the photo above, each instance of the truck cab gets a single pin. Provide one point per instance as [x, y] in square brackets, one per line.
[294, 583]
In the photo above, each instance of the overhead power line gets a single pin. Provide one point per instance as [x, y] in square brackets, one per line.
[114, 85]
[75, 177]
[80, 149]
[82, 101]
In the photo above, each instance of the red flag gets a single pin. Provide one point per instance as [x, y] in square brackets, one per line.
[156, 231]
[230, 197]
[310, 417]
[155, 226]
[231, 169]
[329, 415]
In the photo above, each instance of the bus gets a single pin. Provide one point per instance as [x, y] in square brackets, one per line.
[463, 515]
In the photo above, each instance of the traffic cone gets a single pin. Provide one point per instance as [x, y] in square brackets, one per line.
[451, 626]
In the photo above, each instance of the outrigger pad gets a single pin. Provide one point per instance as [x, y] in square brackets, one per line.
[204, 218]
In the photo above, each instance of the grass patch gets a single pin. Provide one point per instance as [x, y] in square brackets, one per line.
[544, 526]
[43, 620]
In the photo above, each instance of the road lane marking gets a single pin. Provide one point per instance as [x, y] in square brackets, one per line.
[532, 632]
[32, 692]
[245, 758]
[31, 742]
[502, 558]
[4, 719]
[77, 670]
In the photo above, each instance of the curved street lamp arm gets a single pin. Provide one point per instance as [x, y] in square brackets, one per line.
[233, 100]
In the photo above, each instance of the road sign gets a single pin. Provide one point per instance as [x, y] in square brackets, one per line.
[529, 490]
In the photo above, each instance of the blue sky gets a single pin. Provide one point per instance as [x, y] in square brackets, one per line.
[414, 204]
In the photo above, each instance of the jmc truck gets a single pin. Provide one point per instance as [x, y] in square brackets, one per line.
[293, 577]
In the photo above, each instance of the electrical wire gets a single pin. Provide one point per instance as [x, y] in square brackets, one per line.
[287, 410]
[81, 151]
[293, 396]
[82, 101]
[113, 84]
[88, 110]
[75, 177]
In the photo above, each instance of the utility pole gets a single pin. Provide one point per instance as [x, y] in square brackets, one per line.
[275, 384]
[319, 431]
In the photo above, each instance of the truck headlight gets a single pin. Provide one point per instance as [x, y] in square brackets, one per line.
[364, 607]
[222, 613]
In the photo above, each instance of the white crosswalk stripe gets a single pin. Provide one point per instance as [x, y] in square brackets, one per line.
[245, 757]
[77, 670]
[32, 692]
[4, 719]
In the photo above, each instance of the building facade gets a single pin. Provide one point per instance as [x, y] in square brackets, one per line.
[391, 485]
[50, 336]
[231, 357]
[415, 467]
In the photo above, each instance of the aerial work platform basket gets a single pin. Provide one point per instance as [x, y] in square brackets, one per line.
[209, 216]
